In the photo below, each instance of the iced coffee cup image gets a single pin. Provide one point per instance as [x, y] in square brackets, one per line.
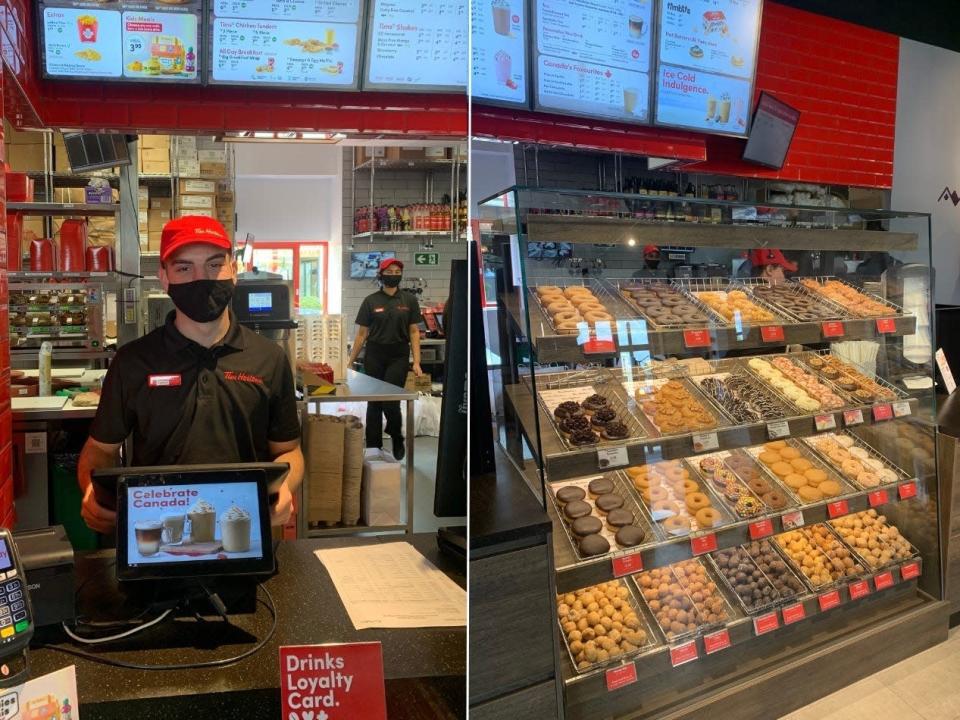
[636, 26]
[724, 109]
[235, 530]
[503, 66]
[630, 96]
[173, 529]
[203, 521]
[711, 107]
[501, 17]
[149, 534]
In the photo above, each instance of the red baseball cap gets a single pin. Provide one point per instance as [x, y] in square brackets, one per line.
[771, 256]
[387, 262]
[191, 229]
[650, 249]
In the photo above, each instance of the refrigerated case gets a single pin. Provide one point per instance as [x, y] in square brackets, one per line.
[691, 436]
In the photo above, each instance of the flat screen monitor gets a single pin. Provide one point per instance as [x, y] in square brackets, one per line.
[593, 59]
[499, 52]
[771, 132]
[411, 50]
[133, 41]
[706, 65]
[91, 151]
[286, 43]
[185, 524]
[364, 265]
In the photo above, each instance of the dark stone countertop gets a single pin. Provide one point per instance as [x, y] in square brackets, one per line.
[503, 508]
[424, 667]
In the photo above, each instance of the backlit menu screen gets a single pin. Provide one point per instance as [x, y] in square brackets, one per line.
[499, 51]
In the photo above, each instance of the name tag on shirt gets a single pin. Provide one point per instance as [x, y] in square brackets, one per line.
[163, 380]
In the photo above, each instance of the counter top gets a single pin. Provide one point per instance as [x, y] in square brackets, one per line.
[362, 388]
[309, 612]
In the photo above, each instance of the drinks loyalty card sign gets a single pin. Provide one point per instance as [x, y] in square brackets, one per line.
[332, 682]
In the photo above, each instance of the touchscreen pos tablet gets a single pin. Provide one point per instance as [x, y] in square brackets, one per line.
[105, 479]
[185, 524]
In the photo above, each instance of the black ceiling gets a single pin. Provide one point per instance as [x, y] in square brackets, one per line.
[936, 22]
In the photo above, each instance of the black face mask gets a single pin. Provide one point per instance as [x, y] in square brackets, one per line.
[202, 300]
[391, 281]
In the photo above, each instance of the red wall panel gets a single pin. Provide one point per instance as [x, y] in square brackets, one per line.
[842, 77]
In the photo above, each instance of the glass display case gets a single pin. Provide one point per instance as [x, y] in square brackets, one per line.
[732, 432]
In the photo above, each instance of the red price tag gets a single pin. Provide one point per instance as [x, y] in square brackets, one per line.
[853, 417]
[859, 589]
[599, 347]
[829, 600]
[878, 497]
[910, 570]
[882, 412]
[715, 642]
[794, 613]
[621, 676]
[703, 544]
[696, 338]
[838, 508]
[359, 664]
[907, 490]
[766, 623]
[883, 580]
[682, 654]
[627, 564]
[825, 422]
[761, 529]
[833, 328]
[886, 325]
[772, 333]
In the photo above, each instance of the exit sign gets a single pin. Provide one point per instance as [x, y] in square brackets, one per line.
[426, 259]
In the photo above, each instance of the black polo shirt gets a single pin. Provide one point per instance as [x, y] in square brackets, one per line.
[388, 317]
[187, 404]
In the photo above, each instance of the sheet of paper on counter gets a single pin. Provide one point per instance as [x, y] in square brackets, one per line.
[391, 585]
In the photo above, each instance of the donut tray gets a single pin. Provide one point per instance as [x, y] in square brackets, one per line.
[821, 280]
[788, 571]
[775, 599]
[755, 466]
[554, 388]
[821, 307]
[630, 503]
[615, 305]
[884, 391]
[695, 609]
[635, 389]
[695, 287]
[844, 399]
[778, 541]
[706, 318]
[813, 443]
[816, 462]
[914, 553]
[776, 408]
[701, 477]
[647, 624]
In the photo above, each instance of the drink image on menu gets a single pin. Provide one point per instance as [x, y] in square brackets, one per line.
[203, 522]
[636, 26]
[724, 108]
[630, 96]
[503, 67]
[235, 530]
[173, 529]
[501, 17]
[149, 534]
[711, 107]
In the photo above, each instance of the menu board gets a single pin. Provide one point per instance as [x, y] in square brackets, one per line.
[123, 41]
[499, 56]
[771, 132]
[707, 59]
[594, 58]
[417, 45]
[286, 42]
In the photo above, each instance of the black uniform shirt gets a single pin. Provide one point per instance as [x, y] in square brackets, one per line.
[187, 404]
[388, 318]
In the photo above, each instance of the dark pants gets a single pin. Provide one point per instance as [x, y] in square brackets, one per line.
[388, 363]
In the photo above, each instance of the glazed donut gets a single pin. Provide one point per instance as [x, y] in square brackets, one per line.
[636, 470]
[548, 290]
[666, 505]
[594, 317]
[676, 474]
[574, 289]
[690, 487]
[641, 482]
[708, 517]
[654, 494]
[570, 327]
[564, 306]
[696, 502]
[677, 524]
[566, 316]
[546, 300]
[851, 468]
[586, 307]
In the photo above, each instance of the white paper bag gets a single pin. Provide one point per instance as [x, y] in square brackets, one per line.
[381, 493]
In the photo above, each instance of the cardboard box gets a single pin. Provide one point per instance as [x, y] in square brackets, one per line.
[418, 384]
[197, 211]
[154, 155]
[436, 153]
[155, 167]
[412, 153]
[157, 219]
[143, 218]
[25, 157]
[143, 198]
[70, 195]
[214, 170]
[198, 187]
[186, 143]
[189, 168]
[225, 197]
[161, 203]
[380, 489]
[198, 202]
[156, 142]
[212, 156]
[153, 241]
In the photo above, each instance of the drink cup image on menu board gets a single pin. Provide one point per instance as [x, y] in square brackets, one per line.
[594, 90]
[186, 523]
[711, 36]
[499, 54]
[160, 45]
[82, 42]
[692, 99]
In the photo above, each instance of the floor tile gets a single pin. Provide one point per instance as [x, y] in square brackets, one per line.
[868, 699]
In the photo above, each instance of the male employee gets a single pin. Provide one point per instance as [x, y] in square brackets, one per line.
[653, 266]
[200, 389]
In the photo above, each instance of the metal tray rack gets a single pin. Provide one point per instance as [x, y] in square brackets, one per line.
[901, 475]
[802, 587]
[846, 398]
[914, 552]
[778, 408]
[805, 452]
[731, 505]
[893, 392]
[616, 306]
[709, 318]
[777, 543]
[822, 307]
[630, 503]
[894, 309]
[630, 388]
[775, 597]
[693, 286]
[598, 382]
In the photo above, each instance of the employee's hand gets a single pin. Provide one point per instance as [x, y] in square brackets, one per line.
[417, 370]
[98, 518]
[280, 512]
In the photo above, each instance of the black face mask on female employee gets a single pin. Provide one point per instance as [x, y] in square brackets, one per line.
[391, 281]
[202, 300]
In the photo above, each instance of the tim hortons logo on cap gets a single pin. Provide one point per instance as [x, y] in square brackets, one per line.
[949, 194]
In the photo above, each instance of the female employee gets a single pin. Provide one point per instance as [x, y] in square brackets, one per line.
[388, 325]
[769, 264]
